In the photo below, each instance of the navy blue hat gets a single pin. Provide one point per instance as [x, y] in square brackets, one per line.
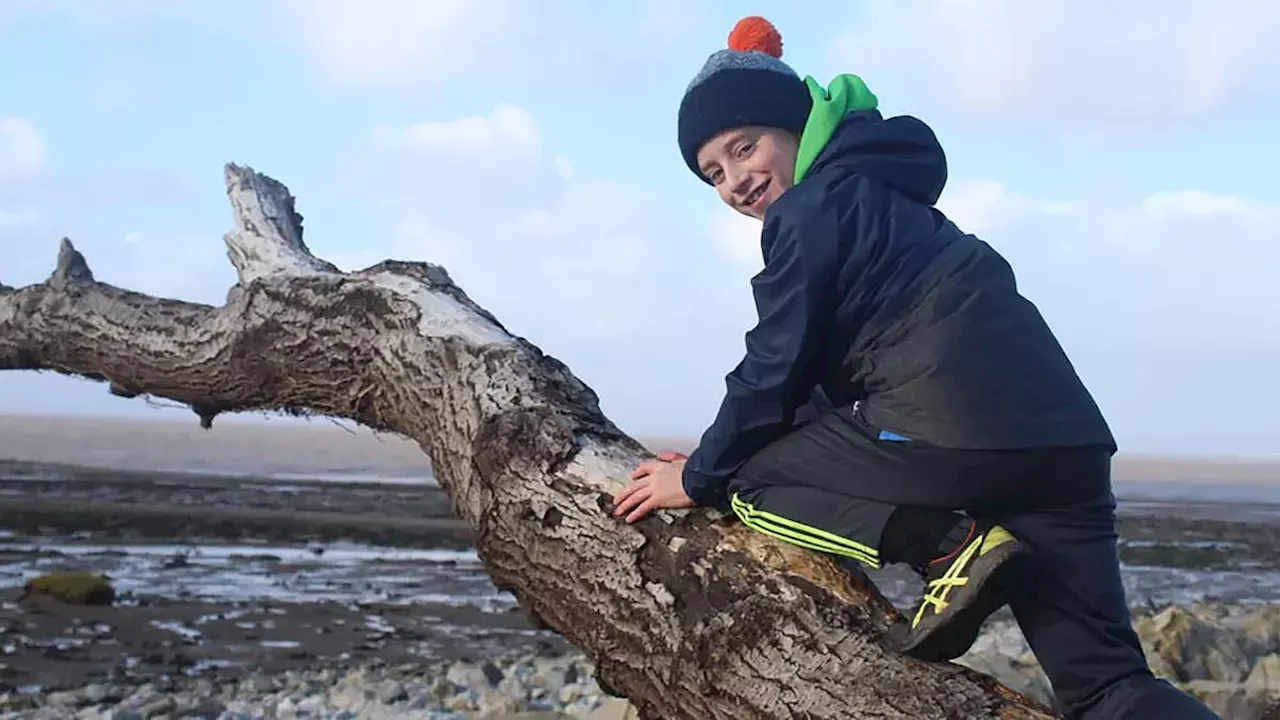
[744, 84]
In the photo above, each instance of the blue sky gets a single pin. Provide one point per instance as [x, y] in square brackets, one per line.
[1122, 159]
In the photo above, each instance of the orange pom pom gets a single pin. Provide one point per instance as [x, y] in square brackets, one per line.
[756, 33]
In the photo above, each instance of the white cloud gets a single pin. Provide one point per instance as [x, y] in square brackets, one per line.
[398, 43]
[484, 196]
[1082, 63]
[980, 205]
[1167, 304]
[21, 148]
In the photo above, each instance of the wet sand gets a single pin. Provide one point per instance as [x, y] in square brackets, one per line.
[124, 504]
[50, 645]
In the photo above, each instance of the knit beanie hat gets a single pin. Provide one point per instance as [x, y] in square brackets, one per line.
[745, 84]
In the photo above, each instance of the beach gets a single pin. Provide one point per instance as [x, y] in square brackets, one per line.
[312, 554]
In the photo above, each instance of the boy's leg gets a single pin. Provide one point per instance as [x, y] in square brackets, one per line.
[804, 489]
[1071, 606]
[873, 533]
[797, 489]
[817, 520]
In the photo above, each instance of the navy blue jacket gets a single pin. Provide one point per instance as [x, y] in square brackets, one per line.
[869, 294]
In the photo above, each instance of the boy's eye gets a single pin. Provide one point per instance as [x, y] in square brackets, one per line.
[744, 149]
[715, 177]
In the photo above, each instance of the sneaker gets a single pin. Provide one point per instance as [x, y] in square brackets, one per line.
[959, 596]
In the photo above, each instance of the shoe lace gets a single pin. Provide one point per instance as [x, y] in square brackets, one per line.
[936, 590]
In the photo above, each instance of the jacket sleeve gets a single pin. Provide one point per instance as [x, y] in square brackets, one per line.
[794, 301]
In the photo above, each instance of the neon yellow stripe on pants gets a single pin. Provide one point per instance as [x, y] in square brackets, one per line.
[805, 536]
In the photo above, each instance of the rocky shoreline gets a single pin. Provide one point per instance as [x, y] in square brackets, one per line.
[1229, 656]
[507, 687]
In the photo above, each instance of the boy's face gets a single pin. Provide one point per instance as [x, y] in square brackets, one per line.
[750, 167]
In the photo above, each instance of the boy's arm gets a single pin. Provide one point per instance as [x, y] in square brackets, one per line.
[794, 299]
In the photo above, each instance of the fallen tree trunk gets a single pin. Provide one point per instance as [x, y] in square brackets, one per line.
[689, 614]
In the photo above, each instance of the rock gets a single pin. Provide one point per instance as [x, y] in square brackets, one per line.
[513, 688]
[441, 689]
[391, 691]
[157, 707]
[461, 702]
[492, 673]
[97, 693]
[312, 705]
[348, 697]
[1234, 701]
[493, 703]
[1266, 673]
[286, 709]
[1259, 627]
[204, 688]
[470, 676]
[569, 694]
[1021, 674]
[550, 675]
[73, 588]
[205, 708]
[1183, 647]
[66, 698]
[614, 709]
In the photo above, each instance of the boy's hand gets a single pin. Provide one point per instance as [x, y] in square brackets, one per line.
[655, 484]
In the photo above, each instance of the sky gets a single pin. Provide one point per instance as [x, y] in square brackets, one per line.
[1120, 155]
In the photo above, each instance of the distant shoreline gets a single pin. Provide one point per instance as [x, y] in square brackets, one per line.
[288, 447]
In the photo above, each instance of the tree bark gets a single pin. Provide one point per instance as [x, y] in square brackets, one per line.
[689, 614]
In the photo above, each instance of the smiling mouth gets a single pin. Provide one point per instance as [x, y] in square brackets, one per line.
[756, 194]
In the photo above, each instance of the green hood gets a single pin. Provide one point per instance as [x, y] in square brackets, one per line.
[848, 93]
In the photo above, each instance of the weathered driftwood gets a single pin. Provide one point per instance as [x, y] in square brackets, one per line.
[688, 614]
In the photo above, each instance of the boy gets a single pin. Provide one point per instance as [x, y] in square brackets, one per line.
[958, 438]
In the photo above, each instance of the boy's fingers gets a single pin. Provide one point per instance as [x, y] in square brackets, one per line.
[671, 456]
[635, 495]
[643, 510]
[644, 469]
[625, 493]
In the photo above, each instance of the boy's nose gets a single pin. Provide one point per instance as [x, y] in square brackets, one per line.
[741, 184]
